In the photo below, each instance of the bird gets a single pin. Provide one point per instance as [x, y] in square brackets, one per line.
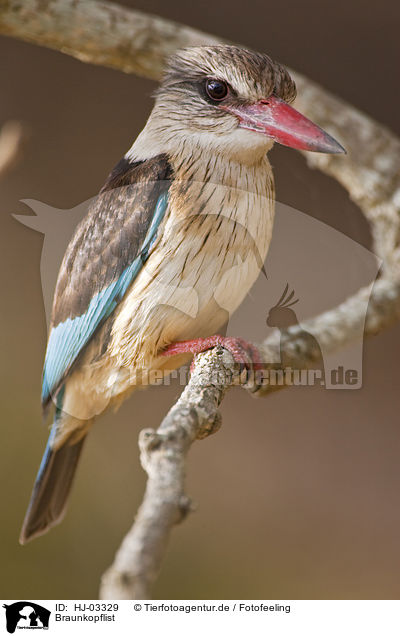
[282, 316]
[192, 198]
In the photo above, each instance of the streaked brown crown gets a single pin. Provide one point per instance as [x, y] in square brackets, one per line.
[251, 75]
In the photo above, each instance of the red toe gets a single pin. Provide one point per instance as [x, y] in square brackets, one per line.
[242, 351]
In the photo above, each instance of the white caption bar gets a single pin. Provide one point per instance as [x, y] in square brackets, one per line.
[177, 617]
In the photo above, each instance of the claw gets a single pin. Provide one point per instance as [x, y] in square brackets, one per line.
[243, 352]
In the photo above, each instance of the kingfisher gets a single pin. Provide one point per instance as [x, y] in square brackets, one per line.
[184, 218]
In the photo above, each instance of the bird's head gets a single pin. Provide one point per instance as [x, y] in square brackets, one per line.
[230, 100]
[281, 315]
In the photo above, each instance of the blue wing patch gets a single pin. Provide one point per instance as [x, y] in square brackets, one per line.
[68, 338]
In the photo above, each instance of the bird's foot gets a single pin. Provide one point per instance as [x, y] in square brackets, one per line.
[244, 353]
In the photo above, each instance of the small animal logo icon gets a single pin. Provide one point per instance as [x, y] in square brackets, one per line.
[26, 615]
[282, 316]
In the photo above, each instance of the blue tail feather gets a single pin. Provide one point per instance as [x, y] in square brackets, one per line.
[52, 485]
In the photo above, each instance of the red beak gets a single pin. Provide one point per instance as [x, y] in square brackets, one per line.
[275, 118]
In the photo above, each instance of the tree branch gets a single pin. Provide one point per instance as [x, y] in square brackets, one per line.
[113, 36]
[98, 32]
[163, 452]
[11, 141]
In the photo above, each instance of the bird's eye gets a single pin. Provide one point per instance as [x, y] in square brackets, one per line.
[216, 90]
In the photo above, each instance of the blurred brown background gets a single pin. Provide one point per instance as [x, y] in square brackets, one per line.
[297, 494]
